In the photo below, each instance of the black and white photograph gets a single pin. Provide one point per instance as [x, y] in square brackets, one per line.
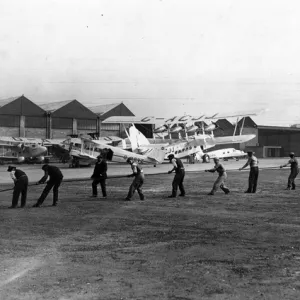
[149, 150]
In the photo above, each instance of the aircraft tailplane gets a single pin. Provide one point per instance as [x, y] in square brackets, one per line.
[156, 154]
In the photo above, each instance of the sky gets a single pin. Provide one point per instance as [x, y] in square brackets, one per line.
[158, 57]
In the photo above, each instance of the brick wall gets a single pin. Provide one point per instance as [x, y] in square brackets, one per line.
[35, 133]
[60, 133]
[10, 131]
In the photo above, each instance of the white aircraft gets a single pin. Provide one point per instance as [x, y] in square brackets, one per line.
[90, 149]
[226, 153]
[21, 152]
[62, 148]
[183, 147]
[140, 144]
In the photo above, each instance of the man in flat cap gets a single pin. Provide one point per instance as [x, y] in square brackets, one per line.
[21, 184]
[294, 171]
[54, 182]
[99, 176]
[254, 171]
[220, 181]
[179, 176]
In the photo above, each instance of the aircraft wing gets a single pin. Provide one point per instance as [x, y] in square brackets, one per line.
[237, 114]
[109, 139]
[119, 155]
[154, 120]
[133, 119]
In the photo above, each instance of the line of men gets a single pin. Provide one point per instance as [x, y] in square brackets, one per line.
[99, 176]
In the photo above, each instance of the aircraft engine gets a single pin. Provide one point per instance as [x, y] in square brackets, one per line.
[21, 159]
[40, 158]
[160, 129]
[193, 128]
[213, 126]
[176, 129]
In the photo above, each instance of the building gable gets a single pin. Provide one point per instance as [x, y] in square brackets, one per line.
[74, 109]
[21, 106]
[119, 110]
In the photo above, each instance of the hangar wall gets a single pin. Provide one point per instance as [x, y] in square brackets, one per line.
[20, 117]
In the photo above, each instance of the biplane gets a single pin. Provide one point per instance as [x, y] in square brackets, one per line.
[189, 144]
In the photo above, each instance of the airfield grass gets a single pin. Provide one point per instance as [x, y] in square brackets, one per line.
[236, 246]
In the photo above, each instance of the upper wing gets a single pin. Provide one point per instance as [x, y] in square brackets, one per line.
[153, 120]
[133, 119]
[238, 114]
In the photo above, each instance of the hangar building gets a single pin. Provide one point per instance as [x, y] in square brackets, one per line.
[118, 109]
[20, 117]
[68, 117]
[271, 141]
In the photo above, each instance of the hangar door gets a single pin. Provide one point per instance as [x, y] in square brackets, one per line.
[272, 151]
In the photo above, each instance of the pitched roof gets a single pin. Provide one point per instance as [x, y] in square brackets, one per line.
[53, 106]
[102, 109]
[8, 100]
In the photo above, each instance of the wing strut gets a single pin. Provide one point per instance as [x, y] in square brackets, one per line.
[242, 126]
[237, 120]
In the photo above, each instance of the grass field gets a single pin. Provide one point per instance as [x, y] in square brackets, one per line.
[238, 246]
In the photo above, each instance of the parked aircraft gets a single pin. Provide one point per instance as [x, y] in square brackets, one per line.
[70, 147]
[189, 145]
[22, 152]
[226, 153]
[183, 148]
[90, 149]
[186, 124]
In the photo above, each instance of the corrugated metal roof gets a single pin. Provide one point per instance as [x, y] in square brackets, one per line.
[53, 106]
[102, 109]
[8, 100]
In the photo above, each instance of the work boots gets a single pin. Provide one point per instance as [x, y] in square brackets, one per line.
[225, 190]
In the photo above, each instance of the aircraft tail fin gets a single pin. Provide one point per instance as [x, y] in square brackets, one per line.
[141, 144]
[137, 139]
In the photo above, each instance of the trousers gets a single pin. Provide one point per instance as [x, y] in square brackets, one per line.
[252, 181]
[137, 184]
[102, 184]
[50, 184]
[292, 177]
[21, 186]
[178, 182]
[220, 182]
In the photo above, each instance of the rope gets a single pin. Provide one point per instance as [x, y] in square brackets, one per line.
[124, 176]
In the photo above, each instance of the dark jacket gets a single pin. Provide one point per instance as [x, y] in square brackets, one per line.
[100, 170]
[52, 171]
[19, 173]
[179, 164]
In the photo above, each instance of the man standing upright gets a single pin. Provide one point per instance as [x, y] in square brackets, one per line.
[220, 181]
[54, 182]
[99, 176]
[179, 176]
[138, 181]
[254, 171]
[294, 171]
[21, 184]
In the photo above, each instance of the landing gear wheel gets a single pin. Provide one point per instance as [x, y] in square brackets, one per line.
[206, 158]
